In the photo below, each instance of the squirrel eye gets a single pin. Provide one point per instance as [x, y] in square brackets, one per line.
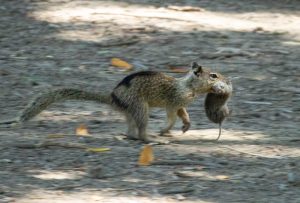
[213, 75]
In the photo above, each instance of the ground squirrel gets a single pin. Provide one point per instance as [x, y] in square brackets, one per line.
[137, 92]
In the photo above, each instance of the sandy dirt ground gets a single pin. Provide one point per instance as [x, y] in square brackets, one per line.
[62, 43]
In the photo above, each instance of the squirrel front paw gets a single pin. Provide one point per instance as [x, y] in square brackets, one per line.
[186, 127]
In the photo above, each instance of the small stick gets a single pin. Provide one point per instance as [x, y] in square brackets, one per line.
[176, 162]
[252, 154]
[51, 144]
[290, 89]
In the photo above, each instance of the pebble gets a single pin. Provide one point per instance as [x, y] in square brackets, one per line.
[6, 161]
[95, 172]
[180, 197]
[293, 178]
[282, 186]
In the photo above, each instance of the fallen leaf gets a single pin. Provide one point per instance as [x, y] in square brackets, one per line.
[121, 64]
[178, 69]
[82, 130]
[146, 156]
[97, 149]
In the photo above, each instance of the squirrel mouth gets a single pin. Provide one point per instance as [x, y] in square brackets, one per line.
[217, 89]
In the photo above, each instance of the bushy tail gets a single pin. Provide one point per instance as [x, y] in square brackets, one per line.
[41, 102]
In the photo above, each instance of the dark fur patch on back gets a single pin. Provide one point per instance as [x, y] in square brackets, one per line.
[118, 102]
[127, 79]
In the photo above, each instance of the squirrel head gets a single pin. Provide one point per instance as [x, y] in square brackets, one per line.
[202, 80]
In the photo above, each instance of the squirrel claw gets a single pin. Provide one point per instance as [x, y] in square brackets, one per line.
[185, 127]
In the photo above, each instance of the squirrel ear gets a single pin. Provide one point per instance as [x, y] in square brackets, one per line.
[197, 69]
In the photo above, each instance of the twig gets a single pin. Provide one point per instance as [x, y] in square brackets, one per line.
[118, 189]
[61, 144]
[51, 144]
[178, 190]
[174, 182]
[184, 8]
[176, 162]
[290, 89]
[67, 187]
[8, 123]
[252, 154]
[257, 102]
[294, 140]
[120, 43]
[183, 174]
[146, 16]
[282, 73]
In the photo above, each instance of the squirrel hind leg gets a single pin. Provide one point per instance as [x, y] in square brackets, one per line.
[139, 113]
[132, 128]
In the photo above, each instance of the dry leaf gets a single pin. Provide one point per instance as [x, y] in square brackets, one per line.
[82, 130]
[121, 64]
[146, 156]
[97, 149]
[178, 69]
